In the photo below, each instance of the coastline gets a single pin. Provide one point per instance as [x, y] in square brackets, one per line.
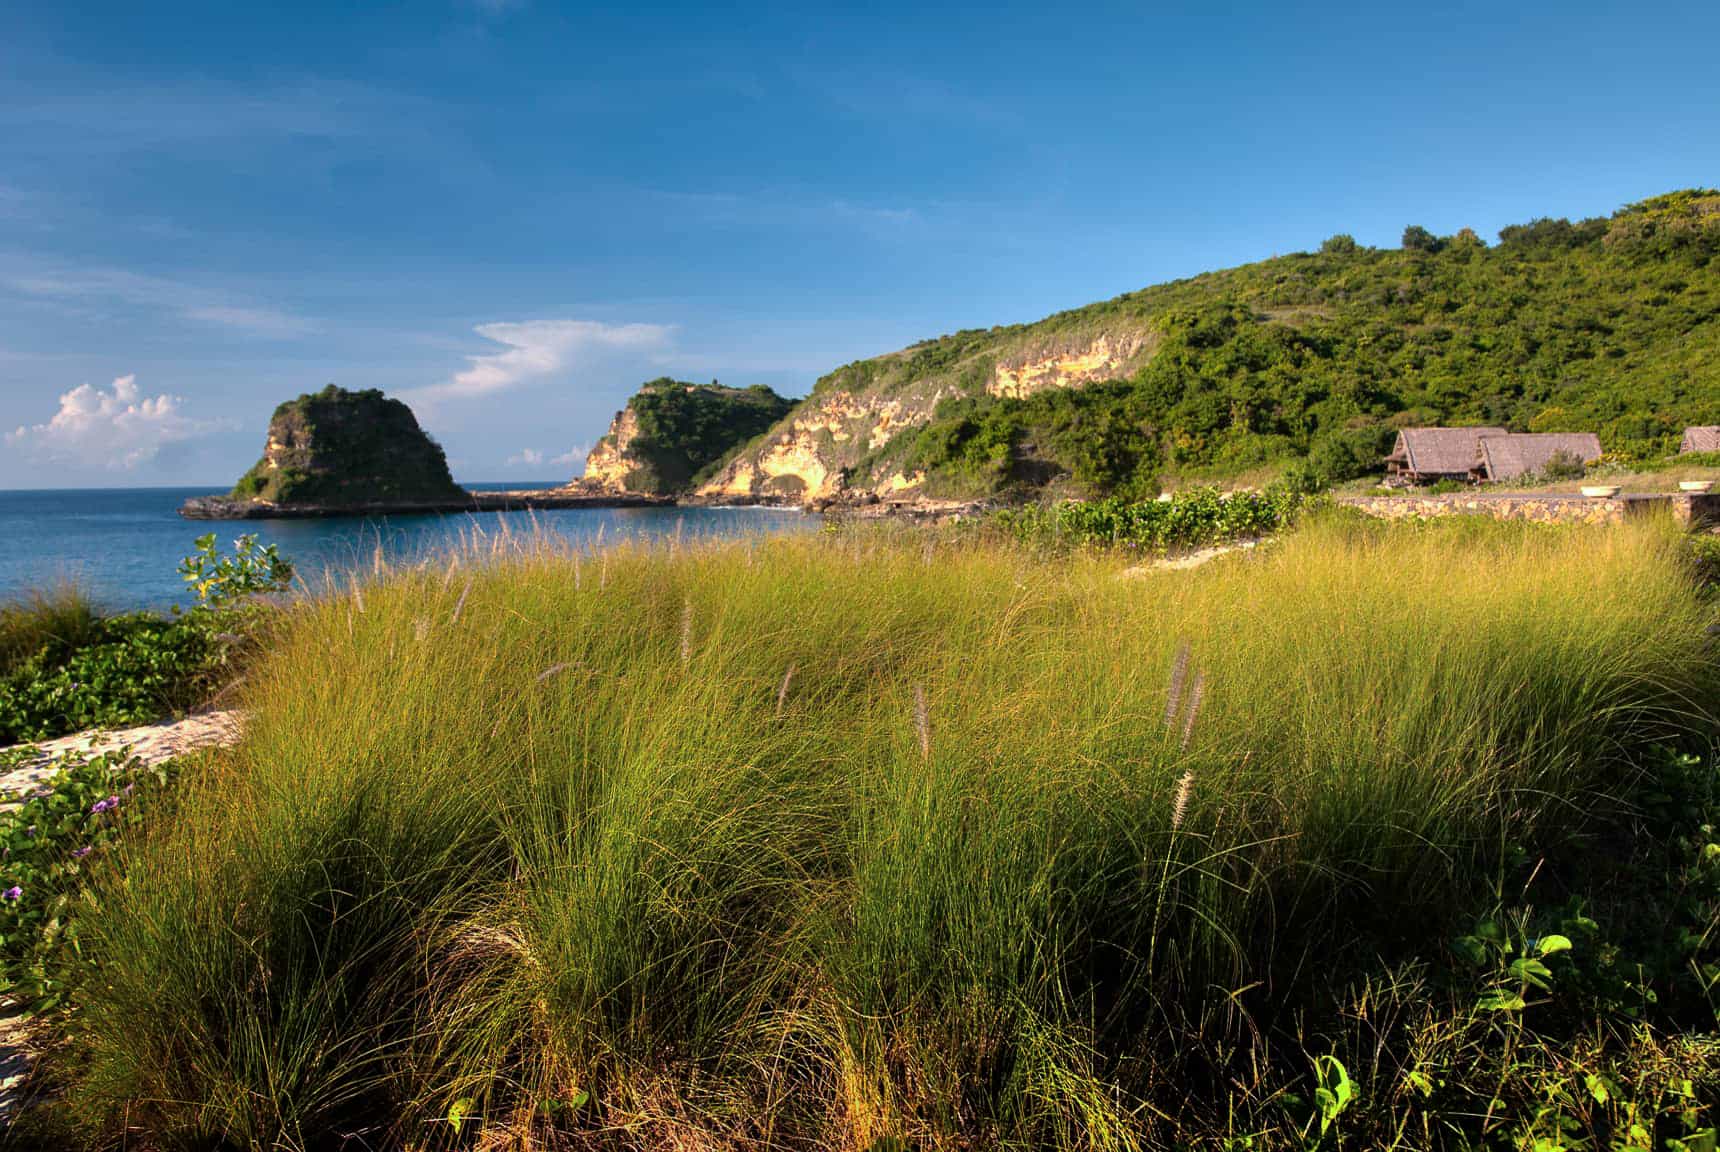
[515, 500]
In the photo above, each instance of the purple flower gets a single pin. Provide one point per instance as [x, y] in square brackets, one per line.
[30, 832]
[101, 806]
[129, 788]
[13, 892]
[82, 852]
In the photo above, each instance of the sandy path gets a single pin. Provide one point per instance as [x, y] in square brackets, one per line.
[151, 743]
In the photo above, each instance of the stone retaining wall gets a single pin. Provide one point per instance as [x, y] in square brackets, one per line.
[1690, 510]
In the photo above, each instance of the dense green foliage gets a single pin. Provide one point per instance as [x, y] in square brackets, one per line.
[686, 430]
[65, 666]
[49, 842]
[338, 448]
[1189, 519]
[133, 669]
[1384, 837]
[1607, 325]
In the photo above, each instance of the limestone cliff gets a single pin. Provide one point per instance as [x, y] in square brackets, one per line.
[336, 448]
[671, 433]
[846, 438]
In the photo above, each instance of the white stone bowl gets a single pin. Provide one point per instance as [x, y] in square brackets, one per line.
[1600, 491]
[1695, 485]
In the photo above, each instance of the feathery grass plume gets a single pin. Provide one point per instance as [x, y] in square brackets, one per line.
[420, 628]
[460, 604]
[1179, 804]
[377, 566]
[680, 531]
[552, 670]
[787, 679]
[358, 593]
[1196, 693]
[1179, 671]
[576, 571]
[448, 576]
[925, 551]
[923, 721]
[602, 568]
[686, 631]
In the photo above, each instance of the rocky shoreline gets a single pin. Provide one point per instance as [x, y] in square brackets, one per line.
[575, 496]
[518, 500]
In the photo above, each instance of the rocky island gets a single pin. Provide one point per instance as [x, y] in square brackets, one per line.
[341, 453]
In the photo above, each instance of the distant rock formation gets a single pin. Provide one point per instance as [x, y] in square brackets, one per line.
[673, 434]
[337, 449]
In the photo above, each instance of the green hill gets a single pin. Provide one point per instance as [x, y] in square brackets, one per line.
[1608, 324]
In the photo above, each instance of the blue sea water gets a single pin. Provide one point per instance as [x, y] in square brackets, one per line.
[123, 545]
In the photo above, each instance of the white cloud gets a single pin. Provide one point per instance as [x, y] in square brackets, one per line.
[534, 349]
[534, 457]
[117, 429]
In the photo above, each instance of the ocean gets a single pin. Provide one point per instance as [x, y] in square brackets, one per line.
[123, 545]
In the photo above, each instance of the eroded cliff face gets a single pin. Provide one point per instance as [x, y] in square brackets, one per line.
[1104, 358]
[609, 461]
[848, 441]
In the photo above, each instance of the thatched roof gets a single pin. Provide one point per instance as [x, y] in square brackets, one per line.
[1439, 451]
[1701, 438]
[1510, 456]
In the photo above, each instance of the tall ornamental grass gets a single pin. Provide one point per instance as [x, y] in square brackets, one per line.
[817, 842]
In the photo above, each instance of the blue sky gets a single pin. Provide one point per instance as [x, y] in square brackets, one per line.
[512, 212]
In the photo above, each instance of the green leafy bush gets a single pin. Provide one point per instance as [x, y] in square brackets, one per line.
[49, 842]
[68, 668]
[1196, 517]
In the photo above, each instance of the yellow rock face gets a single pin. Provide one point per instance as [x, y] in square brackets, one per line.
[805, 459]
[608, 463]
[1102, 360]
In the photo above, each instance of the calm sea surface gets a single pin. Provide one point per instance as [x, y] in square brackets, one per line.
[124, 545]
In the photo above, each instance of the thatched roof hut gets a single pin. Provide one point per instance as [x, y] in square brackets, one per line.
[1701, 438]
[1422, 455]
[1514, 455]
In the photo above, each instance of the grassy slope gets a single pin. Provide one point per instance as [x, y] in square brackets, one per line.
[813, 841]
[1610, 325]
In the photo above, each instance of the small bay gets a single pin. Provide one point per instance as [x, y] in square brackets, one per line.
[123, 545]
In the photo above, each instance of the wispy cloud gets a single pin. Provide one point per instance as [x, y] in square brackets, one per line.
[536, 349]
[777, 209]
[117, 429]
[122, 118]
[79, 288]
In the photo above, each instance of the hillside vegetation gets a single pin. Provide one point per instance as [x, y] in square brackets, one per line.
[1610, 325]
[877, 842]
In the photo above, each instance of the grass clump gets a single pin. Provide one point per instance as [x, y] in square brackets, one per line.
[848, 841]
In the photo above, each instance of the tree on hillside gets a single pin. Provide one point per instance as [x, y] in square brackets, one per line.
[1419, 239]
[1343, 242]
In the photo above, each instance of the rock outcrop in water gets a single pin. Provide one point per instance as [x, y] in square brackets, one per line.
[672, 434]
[338, 449]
